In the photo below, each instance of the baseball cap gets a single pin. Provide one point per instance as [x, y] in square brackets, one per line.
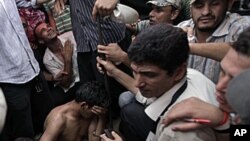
[238, 95]
[160, 3]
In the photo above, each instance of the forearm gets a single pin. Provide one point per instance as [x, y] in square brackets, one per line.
[67, 79]
[101, 124]
[125, 59]
[214, 51]
[126, 80]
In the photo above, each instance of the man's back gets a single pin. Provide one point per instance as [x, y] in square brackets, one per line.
[64, 123]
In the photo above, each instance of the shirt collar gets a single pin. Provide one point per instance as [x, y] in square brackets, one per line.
[155, 109]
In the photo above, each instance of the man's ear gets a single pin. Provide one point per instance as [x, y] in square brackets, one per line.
[83, 103]
[175, 14]
[180, 72]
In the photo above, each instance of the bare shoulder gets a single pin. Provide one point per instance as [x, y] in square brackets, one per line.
[57, 116]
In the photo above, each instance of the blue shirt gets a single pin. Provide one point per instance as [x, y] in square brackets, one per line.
[17, 62]
[85, 29]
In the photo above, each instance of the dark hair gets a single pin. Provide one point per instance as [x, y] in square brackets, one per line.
[162, 45]
[242, 45]
[93, 93]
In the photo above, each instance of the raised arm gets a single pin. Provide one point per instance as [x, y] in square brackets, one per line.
[214, 51]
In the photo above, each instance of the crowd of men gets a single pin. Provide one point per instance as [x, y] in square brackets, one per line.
[68, 69]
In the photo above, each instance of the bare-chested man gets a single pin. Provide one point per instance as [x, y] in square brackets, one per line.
[80, 118]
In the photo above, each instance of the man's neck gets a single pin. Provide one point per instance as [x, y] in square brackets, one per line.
[55, 45]
[202, 36]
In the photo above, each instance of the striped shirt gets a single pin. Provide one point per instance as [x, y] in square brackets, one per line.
[63, 21]
[17, 62]
[228, 31]
[85, 29]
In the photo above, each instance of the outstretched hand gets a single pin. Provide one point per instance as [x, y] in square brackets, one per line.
[193, 108]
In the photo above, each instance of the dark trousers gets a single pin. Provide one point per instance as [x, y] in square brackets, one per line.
[27, 109]
[135, 125]
[60, 97]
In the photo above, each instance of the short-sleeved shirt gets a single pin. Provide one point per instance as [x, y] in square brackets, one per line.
[227, 32]
[54, 65]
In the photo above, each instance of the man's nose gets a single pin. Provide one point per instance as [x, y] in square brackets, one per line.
[139, 81]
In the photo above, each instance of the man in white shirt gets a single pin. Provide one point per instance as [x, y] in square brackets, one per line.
[60, 60]
[159, 64]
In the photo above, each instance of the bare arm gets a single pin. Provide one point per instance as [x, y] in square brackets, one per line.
[214, 51]
[51, 20]
[53, 127]
[98, 123]
[67, 55]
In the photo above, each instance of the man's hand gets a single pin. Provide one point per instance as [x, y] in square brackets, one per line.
[103, 7]
[114, 134]
[67, 51]
[107, 65]
[193, 108]
[99, 111]
[59, 6]
[113, 53]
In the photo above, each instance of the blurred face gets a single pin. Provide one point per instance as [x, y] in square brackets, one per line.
[151, 80]
[160, 15]
[208, 14]
[45, 32]
[231, 66]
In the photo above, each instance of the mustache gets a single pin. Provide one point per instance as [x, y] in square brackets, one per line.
[206, 17]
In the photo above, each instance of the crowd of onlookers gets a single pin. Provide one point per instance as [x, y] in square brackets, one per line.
[68, 70]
